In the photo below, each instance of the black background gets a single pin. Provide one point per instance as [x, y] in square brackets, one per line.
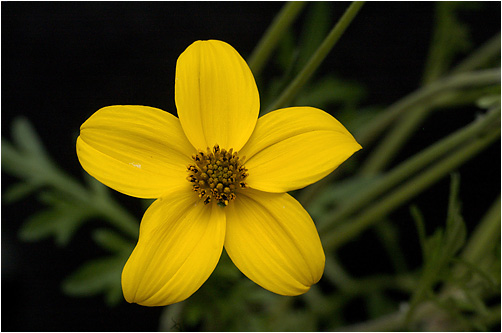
[63, 61]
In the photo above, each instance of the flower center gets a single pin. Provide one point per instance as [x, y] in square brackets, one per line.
[216, 175]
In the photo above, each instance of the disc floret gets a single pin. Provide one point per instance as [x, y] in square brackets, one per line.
[216, 174]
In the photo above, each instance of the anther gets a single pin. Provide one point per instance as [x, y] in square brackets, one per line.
[217, 174]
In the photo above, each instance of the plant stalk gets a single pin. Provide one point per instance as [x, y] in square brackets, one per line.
[315, 61]
[413, 187]
[463, 80]
[412, 165]
[268, 42]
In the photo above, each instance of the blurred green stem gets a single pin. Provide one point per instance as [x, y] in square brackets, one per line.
[485, 234]
[480, 57]
[425, 312]
[315, 61]
[268, 42]
[408, 122]
[437, 92]
[104, 205]
[335, 272]
[372, 214]
[397, 137]
[171, 318]
[412, 165]
[464, 80]
[119, 217]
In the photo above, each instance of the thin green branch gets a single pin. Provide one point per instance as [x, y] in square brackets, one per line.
[268, 42]
[426, 312]
[29, 161]
[315, 61]
[413, 187]
[119, 217]
[390, 145]
[487, 52]
[386, 323]
[397, 137]
[417, 98]
[171, 318]
[382, 155]
[104, 205]
[412, 165]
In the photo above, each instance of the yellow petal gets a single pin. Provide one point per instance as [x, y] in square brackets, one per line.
[295, 147]
[137, 150]
[216, 95]
[273, 241]
[180, 243]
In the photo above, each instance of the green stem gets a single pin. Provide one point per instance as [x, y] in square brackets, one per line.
[386, 323]
[437, 59]
[481, 56]
[336, 274]
[393, 141]
[268, 42]
[464, 80]
[382, 155]
[405, 192]
[119, 217]
[103, 205]
[412, 165]
[411, 101]
[314, 62]
[426, 312]
[170, 318]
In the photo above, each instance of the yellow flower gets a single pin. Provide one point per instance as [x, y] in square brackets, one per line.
[220, 176]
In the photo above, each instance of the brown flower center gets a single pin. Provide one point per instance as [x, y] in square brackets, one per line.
[216, 175]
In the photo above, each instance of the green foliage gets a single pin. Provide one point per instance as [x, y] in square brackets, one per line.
[69, 205]
[293, 54]
[451, 38]
[101, 276]
[96, 277]
[332, 198]
[62, 220]
[459, 296]
[455, 287]
[439, 249]
[25, 159]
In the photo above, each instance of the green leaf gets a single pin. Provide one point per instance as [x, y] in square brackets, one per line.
[39, 226]
[97, 187]
[26, 138]
[60, 221]
[27, 158]
[95, 277]
[420, 225]
[112, 241]
[19, 191]
[455, 233]
[14, 163]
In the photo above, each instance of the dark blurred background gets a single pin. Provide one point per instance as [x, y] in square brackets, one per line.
[63, 61]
